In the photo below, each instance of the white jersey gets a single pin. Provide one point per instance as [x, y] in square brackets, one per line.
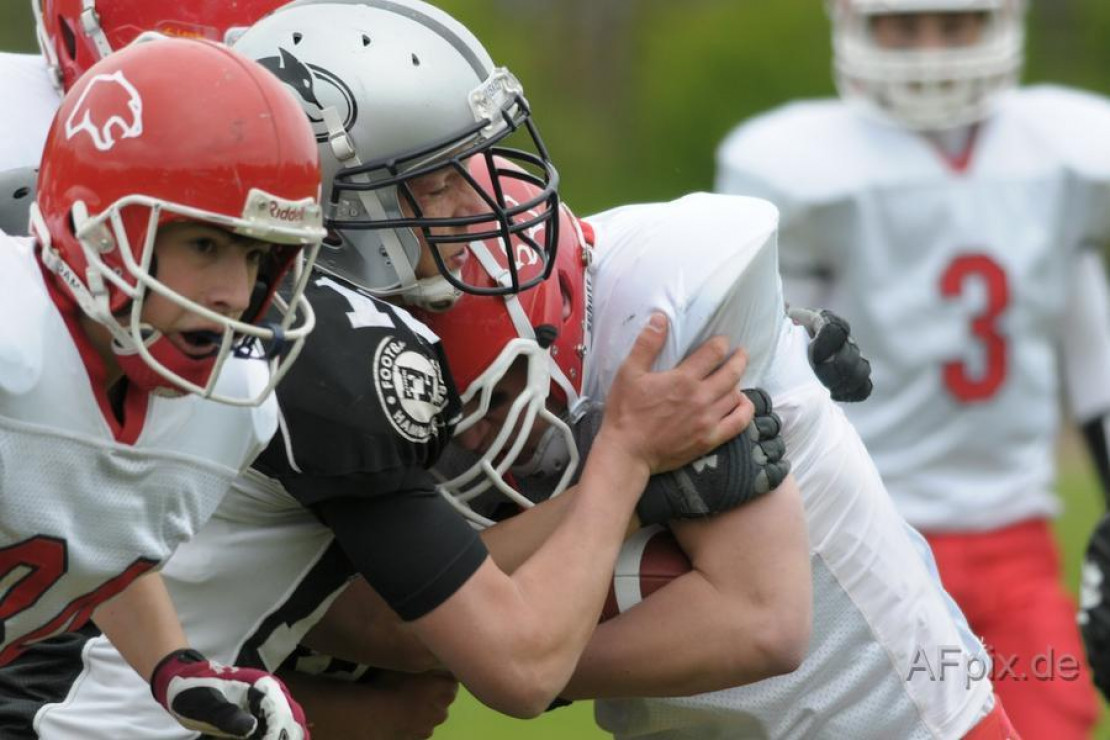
[956, 281]
[264, 569]
[31, 100]
[710, 264]
[273, 546]
[86, 504]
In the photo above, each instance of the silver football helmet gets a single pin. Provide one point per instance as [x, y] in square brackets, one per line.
[927, 89]
[396, 90]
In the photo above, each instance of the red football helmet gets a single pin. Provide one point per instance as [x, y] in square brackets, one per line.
[75, 34]
[179, 130]
[483, 336]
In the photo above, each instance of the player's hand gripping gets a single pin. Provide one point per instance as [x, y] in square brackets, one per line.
[669, 418]
[1094, 605]
[834, 355]
[225, 701]
[743, 468]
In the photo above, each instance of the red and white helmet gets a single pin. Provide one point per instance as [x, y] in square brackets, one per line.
[137, 144]
[927, 89]
[484, 336]
[73, 35]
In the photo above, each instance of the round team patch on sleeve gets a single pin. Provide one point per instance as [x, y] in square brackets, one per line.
[411, 388]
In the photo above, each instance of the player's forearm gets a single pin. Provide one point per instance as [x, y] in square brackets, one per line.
[516, 539]
[142, 623]
[742, 615]
[360, 627]
[628, 657]
[535, 624]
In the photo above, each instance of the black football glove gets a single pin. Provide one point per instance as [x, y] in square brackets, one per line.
[226, 701]
[746, 467]
[834, 355]
[1094, 605]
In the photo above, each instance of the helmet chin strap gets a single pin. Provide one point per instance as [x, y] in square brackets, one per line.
[434, 294]
[140, 372]
[501, 276]
[90, 24]
[550, 458]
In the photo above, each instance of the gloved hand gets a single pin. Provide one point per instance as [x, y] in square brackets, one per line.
[226, 701]
[1094, 605]
[834, 355]
[746, 467]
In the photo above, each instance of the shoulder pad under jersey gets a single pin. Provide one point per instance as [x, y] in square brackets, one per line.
[1074, 124]
[696, 259]
[815, 152]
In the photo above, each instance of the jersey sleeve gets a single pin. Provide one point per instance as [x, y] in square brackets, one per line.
[704, 261]
[366, 408]
[412, 547]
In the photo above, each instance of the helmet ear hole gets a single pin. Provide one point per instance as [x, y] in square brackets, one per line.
[69, 39]
[566, 294]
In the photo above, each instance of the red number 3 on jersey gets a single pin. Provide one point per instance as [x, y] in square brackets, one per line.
[960, 382]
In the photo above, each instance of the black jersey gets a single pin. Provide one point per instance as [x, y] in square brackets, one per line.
[368, 396]
[365, 411]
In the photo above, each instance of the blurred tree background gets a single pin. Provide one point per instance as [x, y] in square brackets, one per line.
[632, 96]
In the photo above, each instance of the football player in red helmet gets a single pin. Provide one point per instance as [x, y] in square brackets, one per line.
[757, 568]
[75, 34]
[136, 382]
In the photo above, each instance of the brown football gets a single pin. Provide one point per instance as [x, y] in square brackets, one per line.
[649, 560]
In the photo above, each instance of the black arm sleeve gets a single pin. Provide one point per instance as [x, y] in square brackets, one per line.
[1094, 431]
[412, 547]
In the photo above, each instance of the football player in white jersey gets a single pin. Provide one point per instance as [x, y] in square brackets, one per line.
[882, 624]
[136, 382]
[342, 489]
[957, 222]
[75, 34]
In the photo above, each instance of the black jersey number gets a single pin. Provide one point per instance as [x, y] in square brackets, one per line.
[364, 312]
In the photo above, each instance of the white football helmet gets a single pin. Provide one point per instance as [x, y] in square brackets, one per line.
[931, 89]
[398, 89]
